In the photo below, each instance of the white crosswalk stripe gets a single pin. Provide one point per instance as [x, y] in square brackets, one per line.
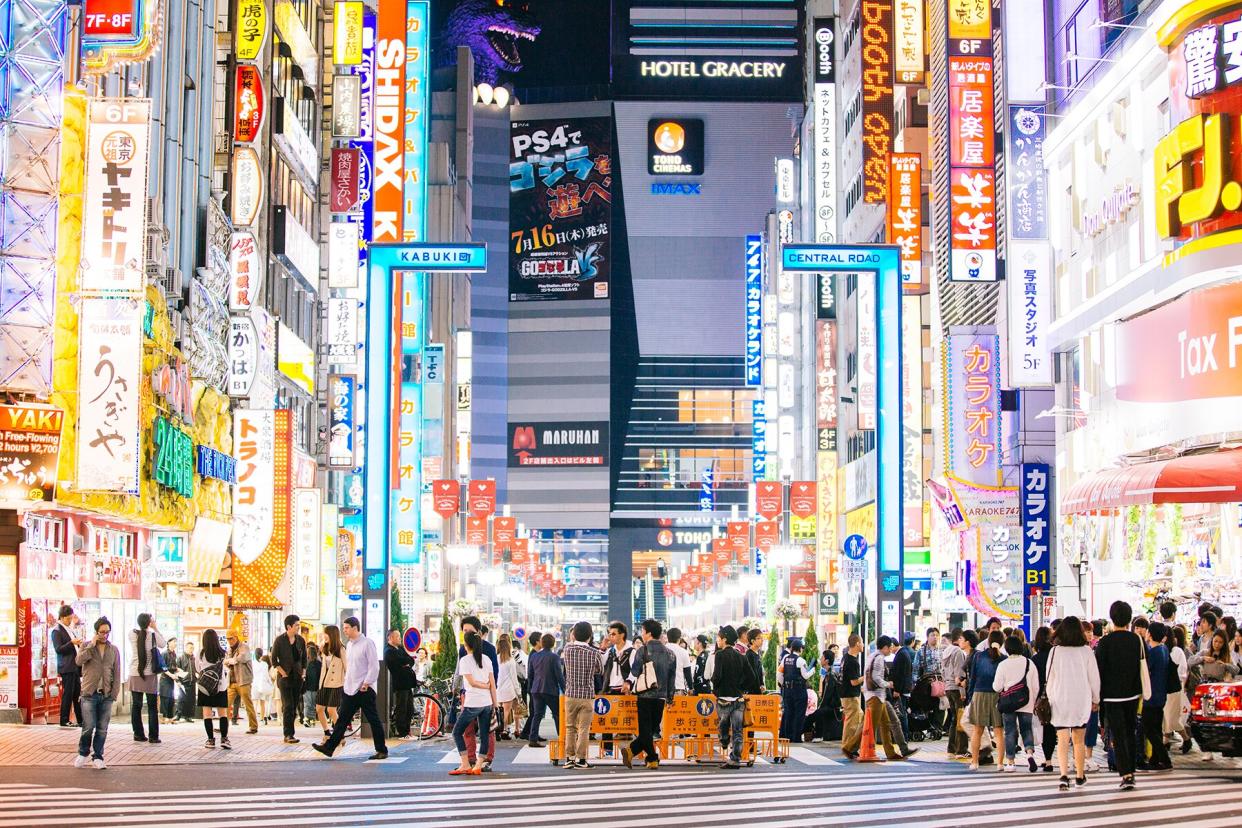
[811, 797]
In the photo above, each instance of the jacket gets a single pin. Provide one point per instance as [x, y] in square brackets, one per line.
[94, 664]
[953, 667]
[332, 674]
[400, 667]
[290, 655]
[1073, 685]
[874, 685]
[66, 653]
[903, 671]
[1158, 661]
[665, 664]
[732, 676]
[154, 641]
[546, 676]
[982, 672]
[240, 664]
[1009, 673]
[310, 681]
[1118, 656]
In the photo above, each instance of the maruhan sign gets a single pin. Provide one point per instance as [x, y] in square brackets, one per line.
[712, 69]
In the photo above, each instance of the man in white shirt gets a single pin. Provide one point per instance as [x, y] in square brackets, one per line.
[358, 691]
[681, 680]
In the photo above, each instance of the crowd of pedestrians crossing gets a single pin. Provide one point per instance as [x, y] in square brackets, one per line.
[1080, 697]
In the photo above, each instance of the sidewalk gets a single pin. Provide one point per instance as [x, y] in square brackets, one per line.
[180, 744]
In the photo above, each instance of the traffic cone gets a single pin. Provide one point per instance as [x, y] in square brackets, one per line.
[431, 723]
[866, 751]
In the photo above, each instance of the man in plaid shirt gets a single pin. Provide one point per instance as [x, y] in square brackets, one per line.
[582, 668]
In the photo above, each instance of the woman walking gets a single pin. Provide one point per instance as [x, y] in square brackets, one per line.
[982, 699]
[1073, 695]
[477, 704]
[1042, 645]
[331, 679]
[213, 688]
[261, 687]
[1012, 675]
[1176, 707]
[310, 687]
[507, 687]
[144, 678]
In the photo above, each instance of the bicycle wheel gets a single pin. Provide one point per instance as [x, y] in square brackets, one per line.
[427, 720]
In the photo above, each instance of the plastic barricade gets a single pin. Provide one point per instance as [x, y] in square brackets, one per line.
[691, 725]
[761, 737]
[615, 715]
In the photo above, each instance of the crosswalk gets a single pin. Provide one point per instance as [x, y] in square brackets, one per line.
[817, 797]
[798, 755]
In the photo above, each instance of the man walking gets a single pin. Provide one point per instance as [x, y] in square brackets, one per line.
[65, 641]
[401, 676]
[582, 668]
[652, 680]
[732, 679]
[851, 697]
[546, 683]
[241, 676]
[616, 668]
[902, 675]
[875, 689]
[289, 659]
[471, 624]
[358, 691]
[169, 684]
[1120, 657]
[100, 664]
[534, 641]
[953, 669]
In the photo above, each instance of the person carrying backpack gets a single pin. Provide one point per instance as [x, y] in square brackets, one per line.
[1017, 683]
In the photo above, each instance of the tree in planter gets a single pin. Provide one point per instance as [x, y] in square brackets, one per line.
[396, 614]
[445, 663]
[810, 651]
[769, 660]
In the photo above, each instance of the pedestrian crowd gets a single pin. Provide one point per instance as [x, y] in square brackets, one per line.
[1079, 697]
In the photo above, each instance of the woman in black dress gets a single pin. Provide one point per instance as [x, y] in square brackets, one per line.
[213, 688]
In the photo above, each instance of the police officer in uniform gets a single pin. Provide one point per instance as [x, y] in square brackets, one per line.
[792, 675]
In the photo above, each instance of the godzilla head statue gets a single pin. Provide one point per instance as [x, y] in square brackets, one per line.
[491, 29]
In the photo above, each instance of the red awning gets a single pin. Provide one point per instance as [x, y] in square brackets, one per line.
[1202, 478]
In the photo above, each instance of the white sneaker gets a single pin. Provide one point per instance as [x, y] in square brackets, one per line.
[1010, 767]
[80, 761]
[99, 764]
[974, 766]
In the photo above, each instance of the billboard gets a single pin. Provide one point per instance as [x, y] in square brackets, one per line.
[114, 232]
[972, 411]
[109, 390]
[972, 170]
[558, 444]
[29, 450]
[560, 209]
[754, 311]
[261, 508]
[389, 83]
[905, 214]
[1037, 523]
[675, 146]
[877, 90]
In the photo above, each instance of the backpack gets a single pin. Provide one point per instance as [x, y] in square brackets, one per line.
[208, 680]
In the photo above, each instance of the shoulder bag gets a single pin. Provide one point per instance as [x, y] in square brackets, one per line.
[647, 679]
[1043, 707]
[1144, 673]
[1016, 696]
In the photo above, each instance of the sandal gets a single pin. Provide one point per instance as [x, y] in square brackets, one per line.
[460, 771]
[475, 772]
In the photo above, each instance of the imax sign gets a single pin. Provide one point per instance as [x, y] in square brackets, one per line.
[682, 188]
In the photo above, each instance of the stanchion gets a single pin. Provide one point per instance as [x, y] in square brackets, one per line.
[866, 752]
[431, 724]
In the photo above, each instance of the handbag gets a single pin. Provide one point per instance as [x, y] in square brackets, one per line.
[647, 680]
[159, 664]
[1043, 707]
[520, 711]
[937, 688]
[748, 715]
[1016, 696]
[1144, 673]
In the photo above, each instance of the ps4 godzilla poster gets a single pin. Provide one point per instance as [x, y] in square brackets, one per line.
[560, 209]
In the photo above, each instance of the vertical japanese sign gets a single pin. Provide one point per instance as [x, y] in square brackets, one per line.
[342, 333]
[824, 168]
[912, 418]
[248, 103]
[1037, 519]
[307, 543]
[245, 271]
[343, 179]
[347, 32]
[908, 51]
[250, 28]
[417, 99]
[364, 217]
[972, 172]
[867, 369]
[406, 544]
[1027, 184]
[110, 382]
[560, 209]
[826, 543]
[972, 414]
[758, 440]
[1029, 277]
[389, 98]
[261, 505]
[114, 227]
[254, 440]
[754, 311]
[826, 384]
[341, 400]
[707, 490]
[905, 214]
[877, 92]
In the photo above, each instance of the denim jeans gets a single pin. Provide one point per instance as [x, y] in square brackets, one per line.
[541, 703]
[1013, 722]
[731, 728]
[464, 718]
[96, 714]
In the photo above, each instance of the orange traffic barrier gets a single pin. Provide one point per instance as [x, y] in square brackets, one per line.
[866, 752]
[431, 724]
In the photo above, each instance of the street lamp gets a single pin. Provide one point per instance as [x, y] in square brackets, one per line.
[460, 554]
